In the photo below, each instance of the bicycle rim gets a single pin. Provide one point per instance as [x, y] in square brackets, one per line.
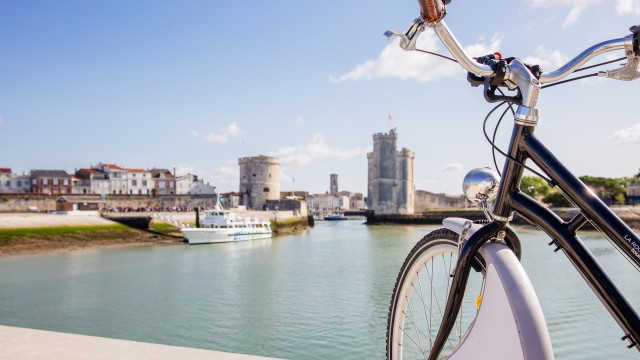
[420, 297]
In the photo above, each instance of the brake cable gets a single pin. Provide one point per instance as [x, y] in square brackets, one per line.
[510, 107]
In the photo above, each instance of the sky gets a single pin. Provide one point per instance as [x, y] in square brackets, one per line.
[195, 85]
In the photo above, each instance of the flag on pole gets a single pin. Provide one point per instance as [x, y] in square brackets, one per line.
[390, 117]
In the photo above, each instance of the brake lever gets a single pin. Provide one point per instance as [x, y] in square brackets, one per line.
[631, 70]
[410, 37]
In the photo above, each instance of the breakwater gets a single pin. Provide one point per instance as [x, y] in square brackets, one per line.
[630, 215]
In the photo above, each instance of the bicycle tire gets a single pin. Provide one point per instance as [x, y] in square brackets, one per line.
[409, 336]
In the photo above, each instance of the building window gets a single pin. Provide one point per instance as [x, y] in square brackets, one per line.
[254, 175]
[265, 189]
[134, 182]
[144, 182]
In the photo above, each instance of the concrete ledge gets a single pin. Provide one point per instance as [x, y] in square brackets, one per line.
[20, 343]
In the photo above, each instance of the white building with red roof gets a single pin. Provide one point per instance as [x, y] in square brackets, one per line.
[118, 179]
[139, 182]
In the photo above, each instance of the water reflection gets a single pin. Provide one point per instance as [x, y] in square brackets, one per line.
[322, 294]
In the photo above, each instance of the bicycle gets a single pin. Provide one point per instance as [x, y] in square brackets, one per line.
[505, 320]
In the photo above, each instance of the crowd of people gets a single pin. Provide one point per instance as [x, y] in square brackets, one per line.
[127, 209]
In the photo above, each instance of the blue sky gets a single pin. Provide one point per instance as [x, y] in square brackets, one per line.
[195, 85]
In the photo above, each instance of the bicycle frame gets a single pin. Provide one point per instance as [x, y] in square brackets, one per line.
[524, 145]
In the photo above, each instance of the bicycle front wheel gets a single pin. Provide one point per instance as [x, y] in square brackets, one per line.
[420, 297]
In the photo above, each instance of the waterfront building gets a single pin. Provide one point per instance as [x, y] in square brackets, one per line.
[97, 180]
[390, 177]
[50, 182]
[20, 184]
[80, 185]
[117, 176]
[321, 204]
[356, 200]
[190, 184]
[259, 180]
[164, 181]
[298, 207]
[139, 182]
[429, 201]
[5, 180]
[231, 200]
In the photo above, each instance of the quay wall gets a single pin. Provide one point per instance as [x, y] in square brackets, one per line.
[45, 203]
[630, 215]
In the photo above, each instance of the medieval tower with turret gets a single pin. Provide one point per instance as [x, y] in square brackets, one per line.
[259, 180]
[390, 184]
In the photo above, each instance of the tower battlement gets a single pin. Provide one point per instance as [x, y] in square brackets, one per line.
[406, 153]
[260, 159]
[392, 135]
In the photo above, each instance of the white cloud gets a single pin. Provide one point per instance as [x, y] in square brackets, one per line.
[222, 135]
[393, 62]
[630, 135]
[628, 6]
[315, 149]
[577, 7]
[453, 167]
[547, 59]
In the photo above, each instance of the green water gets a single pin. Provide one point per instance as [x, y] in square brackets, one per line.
[323, 294]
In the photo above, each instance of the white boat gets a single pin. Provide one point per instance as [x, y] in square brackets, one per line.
[219, 225]
[332, 217]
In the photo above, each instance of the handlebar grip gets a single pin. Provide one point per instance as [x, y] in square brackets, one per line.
[432, 11]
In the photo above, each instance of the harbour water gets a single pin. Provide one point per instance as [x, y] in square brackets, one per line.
[322, 294]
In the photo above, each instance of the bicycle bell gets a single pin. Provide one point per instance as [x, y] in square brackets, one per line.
[481, 185]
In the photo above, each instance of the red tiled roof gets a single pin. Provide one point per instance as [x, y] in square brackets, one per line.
[95, 171]
[112, 166]
[5, 170]
[136, 170]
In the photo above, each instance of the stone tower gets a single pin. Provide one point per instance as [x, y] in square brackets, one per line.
[259, 180]
[333, 188]
[390, 184]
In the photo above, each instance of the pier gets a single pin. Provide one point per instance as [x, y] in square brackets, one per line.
[21, 343]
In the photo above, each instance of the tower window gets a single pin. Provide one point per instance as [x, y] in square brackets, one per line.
[265, 189]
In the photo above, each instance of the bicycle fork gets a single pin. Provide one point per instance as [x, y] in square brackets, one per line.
[510, 323]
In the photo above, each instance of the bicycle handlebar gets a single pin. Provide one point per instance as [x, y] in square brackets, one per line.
[433, 11]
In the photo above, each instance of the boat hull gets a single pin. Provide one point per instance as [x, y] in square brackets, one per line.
[211, 236]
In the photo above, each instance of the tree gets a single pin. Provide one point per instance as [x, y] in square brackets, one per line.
[556, 199]
[608, 189]
[534, 187]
